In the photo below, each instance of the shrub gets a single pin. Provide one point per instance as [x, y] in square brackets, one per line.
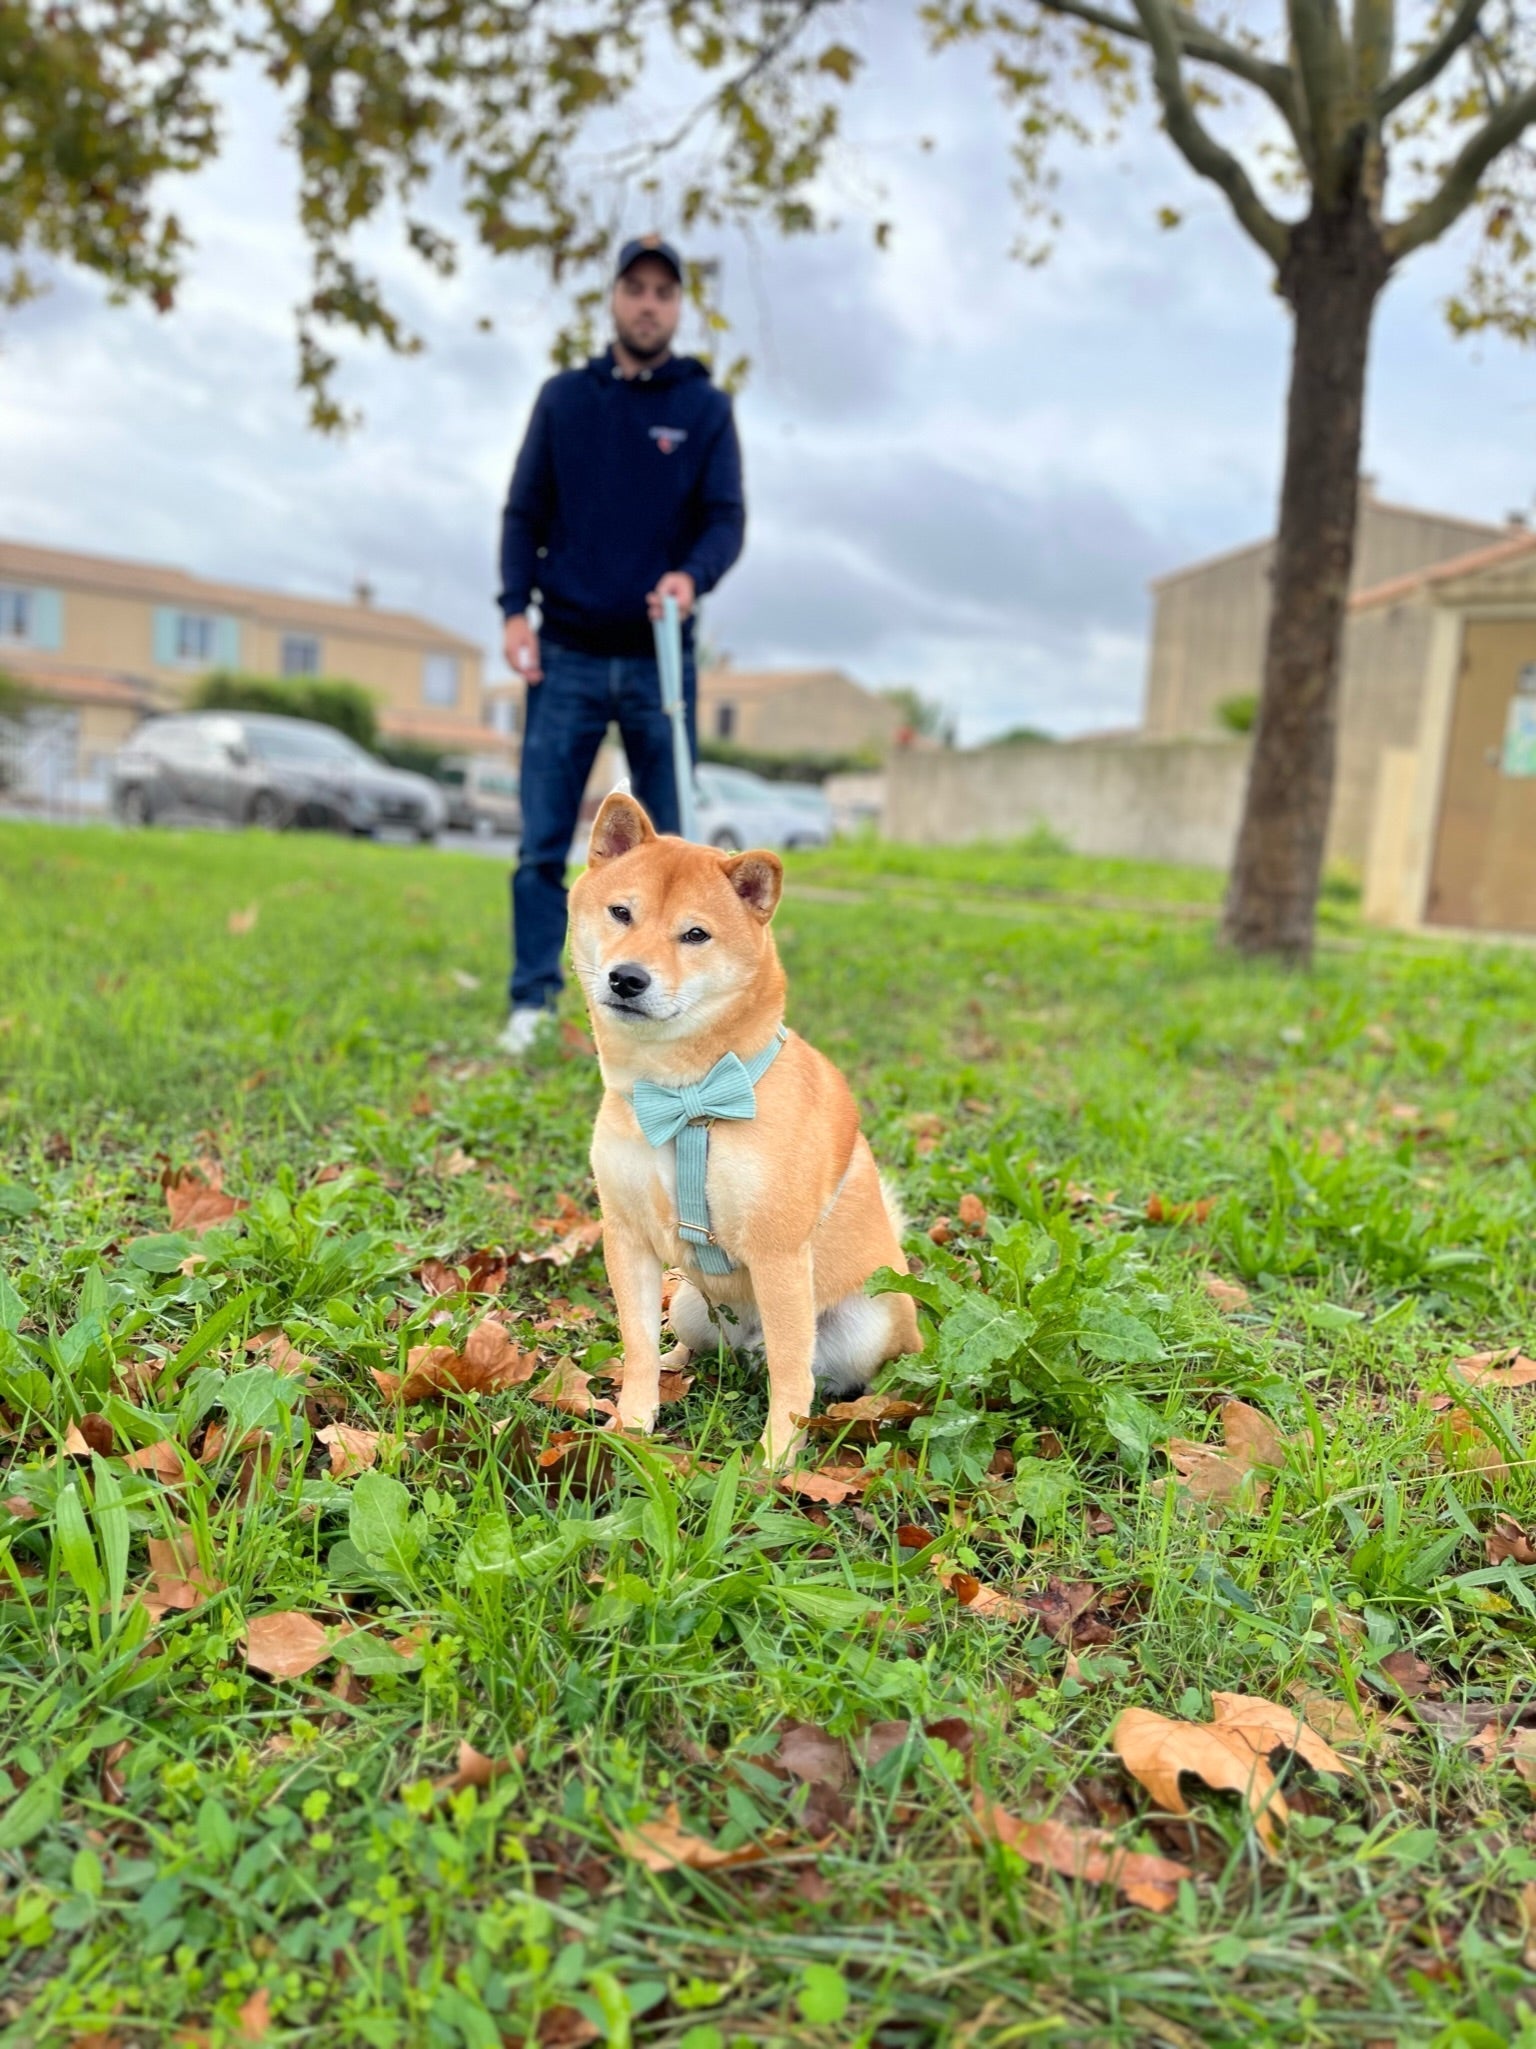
[327, 700]
[1237, 714]
[786, 768]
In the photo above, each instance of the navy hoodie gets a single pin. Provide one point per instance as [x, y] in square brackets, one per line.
[620, 479]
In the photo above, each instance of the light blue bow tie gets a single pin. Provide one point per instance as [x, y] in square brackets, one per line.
[686, 1113]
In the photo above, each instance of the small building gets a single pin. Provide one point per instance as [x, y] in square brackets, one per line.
[1454, 833]
[55, 752]
[795, 711]
[1210, 620]
[158, 630]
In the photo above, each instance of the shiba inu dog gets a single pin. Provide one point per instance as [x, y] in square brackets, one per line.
[725, 1145]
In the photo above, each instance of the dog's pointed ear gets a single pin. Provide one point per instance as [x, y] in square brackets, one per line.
[620, 826]
[758, 879]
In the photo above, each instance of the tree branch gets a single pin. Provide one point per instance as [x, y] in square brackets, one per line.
[1431, 62]
[1458, 189]
[1314, 37]
[1194, 140]
[1196, 41]
[1375, 31]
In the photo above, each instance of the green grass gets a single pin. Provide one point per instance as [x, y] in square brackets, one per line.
[183, 1840]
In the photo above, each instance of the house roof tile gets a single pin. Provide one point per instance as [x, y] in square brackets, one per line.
[1510, 549]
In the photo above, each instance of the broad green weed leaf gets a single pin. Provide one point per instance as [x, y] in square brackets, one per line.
[722, 1507]
[112, 1529]
[380, 1522]
[216, 1833]
[77, 1552]
[12, 1308]
[258, 1398]
[980, 1333]
[1118, 1338]
[838, 1607]
[1133, 1426]
[35, 1808]
[160, 1253]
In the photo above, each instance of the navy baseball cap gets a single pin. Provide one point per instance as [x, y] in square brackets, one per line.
[649, 245]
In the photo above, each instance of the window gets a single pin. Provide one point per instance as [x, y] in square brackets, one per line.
[194, 637]
[440, 679]
[502, 717]
[300, 655]
[15, 613]
[725, 721]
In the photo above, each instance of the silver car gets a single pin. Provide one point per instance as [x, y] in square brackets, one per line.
[250, 768]
[738, 809]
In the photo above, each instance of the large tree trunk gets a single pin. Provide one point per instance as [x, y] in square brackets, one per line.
[1332, 278]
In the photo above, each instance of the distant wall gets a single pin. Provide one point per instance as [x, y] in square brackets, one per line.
[1152, 800]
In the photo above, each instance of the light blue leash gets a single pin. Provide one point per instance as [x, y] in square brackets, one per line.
[686, 1113]
[669, 661]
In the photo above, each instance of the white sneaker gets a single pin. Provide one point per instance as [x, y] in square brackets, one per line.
[524, 1028]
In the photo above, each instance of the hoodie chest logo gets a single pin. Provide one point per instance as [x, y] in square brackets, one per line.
[668, 438]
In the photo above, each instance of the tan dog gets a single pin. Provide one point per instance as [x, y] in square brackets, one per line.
[673, 947]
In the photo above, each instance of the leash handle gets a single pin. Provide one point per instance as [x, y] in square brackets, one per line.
[668, 630]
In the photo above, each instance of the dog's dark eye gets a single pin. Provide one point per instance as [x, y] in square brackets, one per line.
[695, 936]
[621, 913]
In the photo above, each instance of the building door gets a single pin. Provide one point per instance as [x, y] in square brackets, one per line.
[1484, 873]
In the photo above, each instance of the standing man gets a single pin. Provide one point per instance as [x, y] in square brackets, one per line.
[627, 491]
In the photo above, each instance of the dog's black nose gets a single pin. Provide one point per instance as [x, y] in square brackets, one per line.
[628, 979]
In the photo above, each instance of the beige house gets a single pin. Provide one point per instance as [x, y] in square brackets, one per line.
[795, 711]
[1454, 832]
[1208, 629]
[157, 630]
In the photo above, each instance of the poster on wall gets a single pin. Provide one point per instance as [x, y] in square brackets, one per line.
[1519, 756]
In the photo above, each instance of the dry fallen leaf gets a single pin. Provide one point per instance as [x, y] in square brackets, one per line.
[197, 1201]
[1408, 1674]
[477, 1273]
[1460, 1442]
[286, 1645]
[831, 1484]
[562, 2027]
[574, 1232]
[255, 2016]
[489, 1362]
[274, 1349]
[990, 1602]
[449, 1165]
[1225, 1473]
[1506, 1369]
[672, 1384]
[1268, 1727]
[812, 1755]
[1161, 1211]
[1335, 1720]
[665, 1845]
[177, 1580]
[241, 922]
[1086, 1853]
[1506, 1540]
[972, 1214]
[1496, 1745]
[163, 1459]
[1156, 1749]
[927, 1127]
[941, 1230]
[91, 1433]
[474, 1768]
[1228, 1295]
[567, 1387]
[352, 1451]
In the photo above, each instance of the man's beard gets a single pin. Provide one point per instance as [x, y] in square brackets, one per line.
[643, 352]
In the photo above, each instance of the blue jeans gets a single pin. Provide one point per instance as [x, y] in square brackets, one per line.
[566, 718]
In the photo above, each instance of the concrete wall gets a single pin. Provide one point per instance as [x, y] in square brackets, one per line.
[1168, 800]
[818, 713]
[1209, 621]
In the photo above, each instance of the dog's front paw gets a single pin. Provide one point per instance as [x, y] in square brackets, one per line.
[637, 1418]
[781, 1444]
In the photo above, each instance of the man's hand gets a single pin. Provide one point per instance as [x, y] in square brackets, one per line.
[677, 583]
[522, 649]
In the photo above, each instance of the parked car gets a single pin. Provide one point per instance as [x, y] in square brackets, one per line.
[249, 768]
[738, 809]
[480, 793]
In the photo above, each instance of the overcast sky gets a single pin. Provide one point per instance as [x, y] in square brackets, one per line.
[961, 471]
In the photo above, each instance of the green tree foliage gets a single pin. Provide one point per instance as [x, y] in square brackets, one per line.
[925, 715]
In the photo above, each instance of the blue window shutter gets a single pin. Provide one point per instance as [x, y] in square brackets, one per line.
[226, 643]
[47, 620]
[165, 636]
